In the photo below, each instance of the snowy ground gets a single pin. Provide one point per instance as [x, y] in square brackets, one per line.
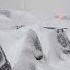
[14, 43]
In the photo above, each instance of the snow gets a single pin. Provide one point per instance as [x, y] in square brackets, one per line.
[15, 42]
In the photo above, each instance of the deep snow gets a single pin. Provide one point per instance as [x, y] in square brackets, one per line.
[14, 43]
